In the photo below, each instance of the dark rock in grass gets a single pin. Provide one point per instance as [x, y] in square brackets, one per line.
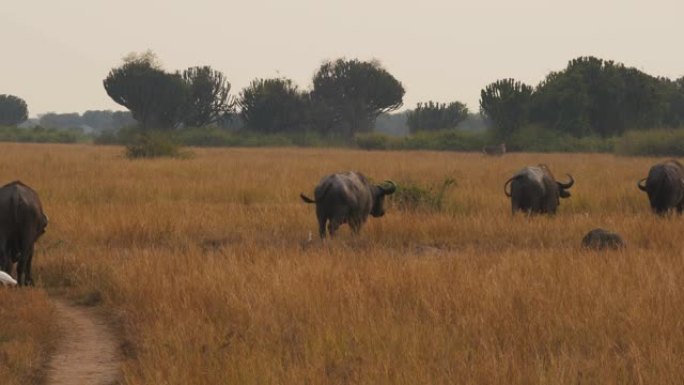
[602, 239]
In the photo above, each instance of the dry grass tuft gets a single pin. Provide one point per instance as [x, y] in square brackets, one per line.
[205, 264]
[27, 335]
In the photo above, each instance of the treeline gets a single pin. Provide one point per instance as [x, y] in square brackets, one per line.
[590, 97]
[90, 122]
[588, 106]
[346, 98]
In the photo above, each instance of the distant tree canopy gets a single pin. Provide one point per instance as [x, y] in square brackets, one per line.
[162, 100]
[272, 105]
[350, 94]
[590, 96]
[13, 110]
[155, 98]
[600, 97]
[506, 103]
[208, 100]
[55, 120]
[436, 116]
[101, 120]
[97, 120]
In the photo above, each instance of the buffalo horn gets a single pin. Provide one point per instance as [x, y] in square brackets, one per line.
[641, 185]
[568, 184]
[389, 187]
[508, 194]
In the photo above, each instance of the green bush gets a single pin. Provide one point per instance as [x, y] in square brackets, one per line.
[411, 197]
[538, 139]
[121, 136]
[372, 141]
[659, 142]
[445, 140]
[217, 137]
[39, 134]
[154, 144]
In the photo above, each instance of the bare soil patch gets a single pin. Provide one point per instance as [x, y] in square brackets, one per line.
[88, 353]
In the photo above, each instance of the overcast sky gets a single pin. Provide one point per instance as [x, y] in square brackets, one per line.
[56, 53]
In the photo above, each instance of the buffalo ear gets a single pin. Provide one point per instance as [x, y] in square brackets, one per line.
[564, 194]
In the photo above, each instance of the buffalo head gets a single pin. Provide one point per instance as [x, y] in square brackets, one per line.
[379, 192]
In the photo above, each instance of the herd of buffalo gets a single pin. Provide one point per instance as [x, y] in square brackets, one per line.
[350, 198]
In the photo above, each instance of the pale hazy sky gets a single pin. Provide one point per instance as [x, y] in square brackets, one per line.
[57, 52]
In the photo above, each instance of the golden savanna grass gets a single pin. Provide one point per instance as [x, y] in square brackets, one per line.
[204, 266]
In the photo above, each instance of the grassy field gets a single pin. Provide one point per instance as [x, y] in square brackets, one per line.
[204, 267]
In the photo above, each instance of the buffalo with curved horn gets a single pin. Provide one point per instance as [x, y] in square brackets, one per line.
[665, 187]
[348, 197]
[534, 190]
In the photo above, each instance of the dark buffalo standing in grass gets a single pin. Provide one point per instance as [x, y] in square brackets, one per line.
[348, 198]
[534, 190]
[665, 187]
[22, 222]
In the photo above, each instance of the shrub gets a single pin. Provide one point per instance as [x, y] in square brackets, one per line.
[39, 134]
[445, 140]
[154, 144]
[409, 197]
[660, 142]
[121, 136]
[538, 139]
[372, 141]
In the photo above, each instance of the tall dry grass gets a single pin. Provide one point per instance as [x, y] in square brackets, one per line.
[204, 266]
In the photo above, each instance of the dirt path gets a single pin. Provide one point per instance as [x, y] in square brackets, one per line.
[88, 353]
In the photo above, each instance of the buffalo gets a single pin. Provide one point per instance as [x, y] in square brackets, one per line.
[665, 187]
[534, 190]
[348, 197]
[22, 222]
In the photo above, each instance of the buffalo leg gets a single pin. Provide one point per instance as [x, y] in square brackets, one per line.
[21, 269]
[5, 258]
[24, 265]
[333, 225]
[321, 227]
[322, 219]
[29, 274]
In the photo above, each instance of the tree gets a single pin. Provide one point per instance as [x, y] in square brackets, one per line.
[100, 120]
[600, 97]
[560, 103]
[156, 99]
[674, 117]
[272, 105]
[506, 103]
[208, 100]
[55, 120]
[350, 94]
[436, 116]
[13, 110]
